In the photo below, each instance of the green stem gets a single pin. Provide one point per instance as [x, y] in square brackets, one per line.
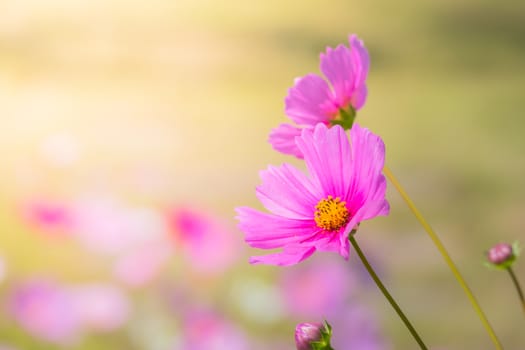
[441, 248]
[518, 287]
[385, 292]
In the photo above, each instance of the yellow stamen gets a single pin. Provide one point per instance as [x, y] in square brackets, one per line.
[331, 214]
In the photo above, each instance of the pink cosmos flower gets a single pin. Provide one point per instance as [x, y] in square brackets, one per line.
[317, 212]
[311, 100]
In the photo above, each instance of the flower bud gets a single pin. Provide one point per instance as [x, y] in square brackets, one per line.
[502, 255]
[313, 336]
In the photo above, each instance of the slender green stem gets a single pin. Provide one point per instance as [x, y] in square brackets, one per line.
[433, 236]
[518, 287]
[385, 292]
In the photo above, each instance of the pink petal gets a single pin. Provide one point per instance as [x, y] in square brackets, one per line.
[368, 155]
[344, 246]
[289, 256]
[367, 211]
[359, 97]
[374, 208]
[325, 242]
[282, 139]
[327, 154]
[287, 192]
[270, 231]
[360, 59]
[338, 66]
[310, 101]
[347, 70]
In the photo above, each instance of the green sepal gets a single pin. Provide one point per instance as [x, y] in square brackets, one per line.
[324, 342]
[345, 118]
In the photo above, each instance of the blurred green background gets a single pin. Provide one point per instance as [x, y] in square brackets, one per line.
[189, 90]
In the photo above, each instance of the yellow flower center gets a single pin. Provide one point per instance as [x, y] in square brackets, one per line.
[331, 214]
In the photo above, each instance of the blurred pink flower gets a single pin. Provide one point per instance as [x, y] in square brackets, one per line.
[46, 311]
[357, 329]
[311, 100]
[137, 268]
[206, 330]
[305, 292]
[137, 237]
[108, 226]
[345, 187]
[49, 216]
[100, 307]
[207, 241]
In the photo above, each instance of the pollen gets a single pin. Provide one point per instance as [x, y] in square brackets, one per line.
[331, 214]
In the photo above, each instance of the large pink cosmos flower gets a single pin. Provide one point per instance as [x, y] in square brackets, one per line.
[311, 100]
[317, 212]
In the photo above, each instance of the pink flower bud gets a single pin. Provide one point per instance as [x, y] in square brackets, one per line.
[500, 254]
[305, 333]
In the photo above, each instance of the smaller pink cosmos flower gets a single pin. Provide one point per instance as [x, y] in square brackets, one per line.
[317, 212]
[311, 100]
